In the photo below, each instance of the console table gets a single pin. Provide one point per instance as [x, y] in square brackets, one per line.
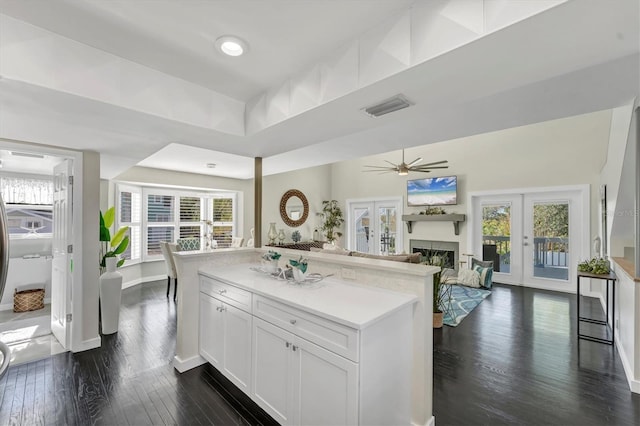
[610, 278]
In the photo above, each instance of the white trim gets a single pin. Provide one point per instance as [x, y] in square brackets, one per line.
[143, 280]
[85, 345]
[187, 364]
[634, 385]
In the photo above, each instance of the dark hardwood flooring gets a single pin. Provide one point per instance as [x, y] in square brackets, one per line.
[514, 360]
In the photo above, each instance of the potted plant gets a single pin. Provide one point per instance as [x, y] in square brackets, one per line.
[270, 260]
[299, 268]
[111, 280]
[440, 298]
[333, 219]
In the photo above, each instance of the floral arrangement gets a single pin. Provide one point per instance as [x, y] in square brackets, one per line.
[271, 255]
[295, 236]
[300, 264]
[434, 210]
[597, 265]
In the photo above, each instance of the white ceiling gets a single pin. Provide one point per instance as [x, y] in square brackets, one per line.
[579, 57]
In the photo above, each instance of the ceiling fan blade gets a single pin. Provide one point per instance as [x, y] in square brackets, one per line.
[394, 165]
[424, 169]
[434, 163]
[416, 161]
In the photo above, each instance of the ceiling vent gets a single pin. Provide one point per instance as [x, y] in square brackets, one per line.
[389, 105]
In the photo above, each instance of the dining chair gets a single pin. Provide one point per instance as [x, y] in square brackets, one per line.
[167, 252]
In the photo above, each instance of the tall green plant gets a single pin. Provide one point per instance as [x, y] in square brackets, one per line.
[333, 219]
[107, 243]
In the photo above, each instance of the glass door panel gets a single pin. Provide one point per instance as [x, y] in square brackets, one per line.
[387, 231]
[547, 239]
[361, 227]
[496, 236]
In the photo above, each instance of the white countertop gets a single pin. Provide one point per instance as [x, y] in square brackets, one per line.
[353, 305]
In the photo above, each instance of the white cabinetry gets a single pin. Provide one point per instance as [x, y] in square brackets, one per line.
[341, 355]
[298, 382]
[225, 336]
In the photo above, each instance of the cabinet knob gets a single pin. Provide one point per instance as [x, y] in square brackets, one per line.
[287, 344]
[292, 321]
[294, 347]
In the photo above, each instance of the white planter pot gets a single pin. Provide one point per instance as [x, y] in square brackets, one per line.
[298, 275]
[110, 296]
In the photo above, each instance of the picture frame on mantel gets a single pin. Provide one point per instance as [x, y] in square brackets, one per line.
[603, 218]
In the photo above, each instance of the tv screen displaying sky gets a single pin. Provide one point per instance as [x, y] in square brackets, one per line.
[438, 191]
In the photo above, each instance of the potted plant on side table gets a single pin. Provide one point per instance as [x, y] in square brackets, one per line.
[110, 279]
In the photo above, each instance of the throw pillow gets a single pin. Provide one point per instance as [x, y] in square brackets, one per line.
[483, 263]
[469, 278]
[486, 276]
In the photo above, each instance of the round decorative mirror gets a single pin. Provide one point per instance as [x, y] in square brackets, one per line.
[294, 208]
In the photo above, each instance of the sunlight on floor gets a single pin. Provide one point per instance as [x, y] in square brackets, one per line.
[34, 349]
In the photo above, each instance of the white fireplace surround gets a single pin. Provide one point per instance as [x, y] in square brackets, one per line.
[441, 246]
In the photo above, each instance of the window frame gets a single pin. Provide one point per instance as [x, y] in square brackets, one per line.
[120, 188]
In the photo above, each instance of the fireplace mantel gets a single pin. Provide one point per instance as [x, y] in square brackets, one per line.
[455, 218]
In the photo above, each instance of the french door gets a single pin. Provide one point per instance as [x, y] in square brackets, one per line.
[375, 226]
[535, 238]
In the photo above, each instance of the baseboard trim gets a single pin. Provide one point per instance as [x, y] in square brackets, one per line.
[187, 364]
[634, 385]
[85, 345]
[430, 422]
[143, 280]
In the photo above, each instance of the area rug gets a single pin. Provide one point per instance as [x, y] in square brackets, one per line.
[463, 301]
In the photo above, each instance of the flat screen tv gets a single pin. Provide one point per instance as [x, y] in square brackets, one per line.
[435, 191]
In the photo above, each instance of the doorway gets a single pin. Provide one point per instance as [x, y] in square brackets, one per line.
[28, 178]
[534, 237]
[374, 226]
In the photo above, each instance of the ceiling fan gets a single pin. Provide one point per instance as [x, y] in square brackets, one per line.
[403, 168]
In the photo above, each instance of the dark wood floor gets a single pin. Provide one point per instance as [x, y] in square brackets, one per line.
[516, 360]
[513, 360]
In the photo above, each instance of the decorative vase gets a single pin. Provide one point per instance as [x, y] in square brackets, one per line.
[298, 275]
[272, 234]
[437, 319]
[110, 296]
[281, 236]
[270, 266]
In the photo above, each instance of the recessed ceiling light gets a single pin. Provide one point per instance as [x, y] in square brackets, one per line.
[231, 45]
[211, 165]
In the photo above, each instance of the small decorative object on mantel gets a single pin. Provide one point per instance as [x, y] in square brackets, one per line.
[299, 268]
[295, 236]
[281, 236]
[433, 210]
[272, 234]
[597, 266]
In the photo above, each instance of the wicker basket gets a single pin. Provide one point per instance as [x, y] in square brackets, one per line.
[28, 300]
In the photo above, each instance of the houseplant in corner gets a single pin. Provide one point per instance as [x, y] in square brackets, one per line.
[333, 219]
[110, 279]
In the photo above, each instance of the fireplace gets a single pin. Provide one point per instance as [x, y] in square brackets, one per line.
[446, 249]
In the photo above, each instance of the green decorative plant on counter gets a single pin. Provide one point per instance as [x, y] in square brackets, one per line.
[597, 265]
[271, 255]
[333, 219]
[107, 243]
[300, 264]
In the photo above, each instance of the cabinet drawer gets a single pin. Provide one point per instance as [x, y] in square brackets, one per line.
[330, 335]
[232, 295]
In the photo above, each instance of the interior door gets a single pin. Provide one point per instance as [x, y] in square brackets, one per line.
[62, 264]
[375, 227]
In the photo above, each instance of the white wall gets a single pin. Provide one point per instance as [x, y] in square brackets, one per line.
[567, 151]
[314, 183]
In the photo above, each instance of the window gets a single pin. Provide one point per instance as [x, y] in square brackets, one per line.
[130, 214]
[28, 205]
[159, 214]
[223, 219]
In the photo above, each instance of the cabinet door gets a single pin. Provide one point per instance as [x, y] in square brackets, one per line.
[325, 386]
[237, 347]
[211, 330]
[272, 385]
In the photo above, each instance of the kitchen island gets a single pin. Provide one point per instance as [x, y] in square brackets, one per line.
[410, 279]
